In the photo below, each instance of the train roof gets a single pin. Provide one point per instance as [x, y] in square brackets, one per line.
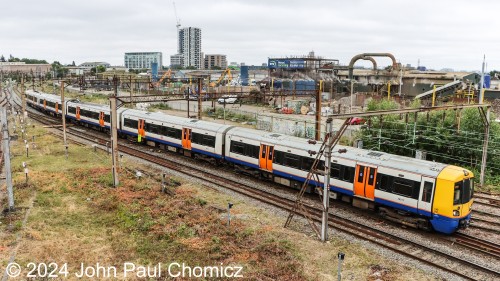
[43, 95]
[94, 106]
[181, 121]
[377, 158]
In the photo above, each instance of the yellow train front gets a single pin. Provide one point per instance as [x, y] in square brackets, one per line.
[452, 204]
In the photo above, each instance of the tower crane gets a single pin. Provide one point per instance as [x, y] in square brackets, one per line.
[176, 18]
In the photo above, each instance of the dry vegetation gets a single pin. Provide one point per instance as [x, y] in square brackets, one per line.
[78, 217]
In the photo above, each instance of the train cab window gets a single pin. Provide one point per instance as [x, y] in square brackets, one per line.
[427, 193]
[457, 193]
[467, 191]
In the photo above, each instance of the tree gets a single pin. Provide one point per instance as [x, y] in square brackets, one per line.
[73, 63]
[216, 68]
[437, 134]
[191, 67]
[2, 59]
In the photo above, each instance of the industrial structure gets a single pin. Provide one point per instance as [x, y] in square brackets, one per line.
[142, 60]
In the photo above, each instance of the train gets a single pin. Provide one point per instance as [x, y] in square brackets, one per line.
[417, 193]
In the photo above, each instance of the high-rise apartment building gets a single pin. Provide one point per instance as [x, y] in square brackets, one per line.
[189, 47]
[142, 60]
[215, 60]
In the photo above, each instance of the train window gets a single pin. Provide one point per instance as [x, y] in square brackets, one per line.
[371, 176]
[348, 174]
[321, 165]
[94, 115]
[403, 187]
[270, 155]
[307, 163]
[173, 133]
[40, 101]
[197, 138]
[107, 118]
[72, 110]
[129, 123]
[292, 160]
[385, 182]
[252, 150]
[152, 128]
[237, 147]
[427, 194]
[209, 141]
[335, 171]
[278, 157]
[361, 173]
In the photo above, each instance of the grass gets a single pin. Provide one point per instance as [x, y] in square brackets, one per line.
[77, 217]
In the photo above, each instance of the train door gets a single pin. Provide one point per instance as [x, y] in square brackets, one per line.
[77, 113]
[266, 157]
[101, 119]
[186, 138]
[364, 181]
[57, 108]
[141, 129]
[426, 196]
[44, 104]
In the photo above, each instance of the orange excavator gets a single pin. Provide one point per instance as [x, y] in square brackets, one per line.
[227, 73]
[167, 73]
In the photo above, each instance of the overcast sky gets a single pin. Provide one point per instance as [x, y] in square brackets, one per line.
[441, 33]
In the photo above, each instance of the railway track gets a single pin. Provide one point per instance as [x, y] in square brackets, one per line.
[423, 253]
[486, 201]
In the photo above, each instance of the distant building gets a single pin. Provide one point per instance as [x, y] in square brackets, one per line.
[215, 60]
[177, 60]
[94, 64]
[37, 69]
[190, 46]
[142, 60]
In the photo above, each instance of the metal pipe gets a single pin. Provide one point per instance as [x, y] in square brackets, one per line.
[366, 56]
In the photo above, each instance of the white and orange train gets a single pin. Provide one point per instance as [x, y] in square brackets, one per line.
[417, 193]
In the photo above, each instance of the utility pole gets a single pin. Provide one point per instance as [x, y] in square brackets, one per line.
[23, 97]
[63, 109]
[326, 182]
[485, 144]
[318, 112]
[6, 147]
[481, 94]
[114, 136]
[199, 97]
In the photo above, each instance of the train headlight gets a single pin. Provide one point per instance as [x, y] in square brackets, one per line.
[456, 213]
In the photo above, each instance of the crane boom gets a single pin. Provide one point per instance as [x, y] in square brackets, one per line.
[176, 18]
